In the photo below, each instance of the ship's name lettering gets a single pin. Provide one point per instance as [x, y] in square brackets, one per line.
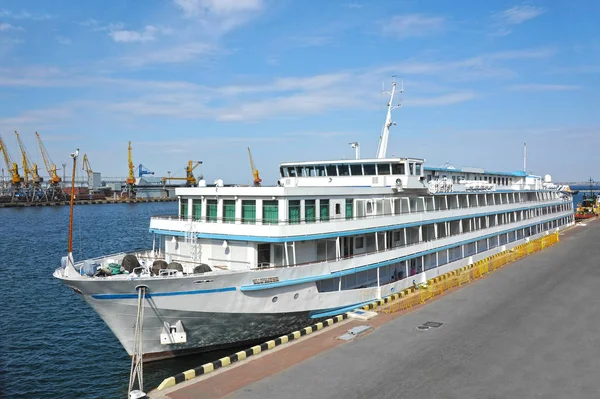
[265, 280]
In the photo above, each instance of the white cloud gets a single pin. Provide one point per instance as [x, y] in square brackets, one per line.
[24, 15]
[505, 20]
[178, 53]
[149, 33]
[412, 25]
[543, 87]
[5, 27]
[445, 99]
[192, 8]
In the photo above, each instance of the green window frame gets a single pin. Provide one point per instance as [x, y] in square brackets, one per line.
[197, 209]
[349, 208]
[324, 210]
[211, 210]
[294, 211]
[183, 208]
[309, 211]
[229, 211]
[270, 212]
[249, 211]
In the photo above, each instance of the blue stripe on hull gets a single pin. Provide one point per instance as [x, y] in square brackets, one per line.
[158, 294]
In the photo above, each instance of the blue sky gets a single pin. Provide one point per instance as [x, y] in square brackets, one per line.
[299, 80]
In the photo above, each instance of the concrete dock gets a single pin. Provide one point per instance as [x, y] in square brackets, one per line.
[529, 329]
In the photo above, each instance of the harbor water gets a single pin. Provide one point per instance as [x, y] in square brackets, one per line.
[52, 344]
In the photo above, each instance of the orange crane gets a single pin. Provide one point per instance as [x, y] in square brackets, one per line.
[189, 174]
[256, 178]
[12, 167]
[28, 167]
[50, 166]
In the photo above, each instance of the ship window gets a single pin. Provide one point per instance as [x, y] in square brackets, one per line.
[197, 209]
[356, 169]
[383, 169]
[411, 168]
[291, 171]
[299, 171]
[183, 208]
[270, 212]
[324, 210]
[264, 255]
[398, 169]
[278, 255]
[348, 209]
[320, 170]
[418, 168]
[308, 171]
[369, 169]
[229, 211]
[309, 210]
[343, 170]
[359, 242]
[284, 172]
[294, 211]
[331, 170]
[369, 207]
[249, 211]
[338, 209]
[211, 210]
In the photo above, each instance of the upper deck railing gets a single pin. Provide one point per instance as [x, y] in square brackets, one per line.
[300, 221]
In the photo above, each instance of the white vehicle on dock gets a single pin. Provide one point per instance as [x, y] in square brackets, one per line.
[240, 264]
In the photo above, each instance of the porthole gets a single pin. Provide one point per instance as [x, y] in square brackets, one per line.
[296, 295]
[274, 299]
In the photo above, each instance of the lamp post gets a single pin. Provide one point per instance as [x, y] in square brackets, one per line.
[64, 165]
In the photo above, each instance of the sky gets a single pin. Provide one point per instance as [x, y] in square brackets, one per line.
[298, 80]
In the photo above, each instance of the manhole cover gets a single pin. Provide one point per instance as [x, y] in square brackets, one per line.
[433, 324]
[423, 327]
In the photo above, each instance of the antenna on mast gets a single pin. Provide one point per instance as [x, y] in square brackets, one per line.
[356, 147]
[525, 157]
[385, 133]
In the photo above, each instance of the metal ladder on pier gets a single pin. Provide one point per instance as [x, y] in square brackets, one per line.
[137, 360]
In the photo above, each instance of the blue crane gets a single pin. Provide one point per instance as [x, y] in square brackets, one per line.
[143, 170]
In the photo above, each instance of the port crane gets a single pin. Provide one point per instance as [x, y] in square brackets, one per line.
[33, 189]
[12, 168]
[255, 176]
[143, 170]
[131, 177]
[85, 165]
[54, 191]
[189, 174]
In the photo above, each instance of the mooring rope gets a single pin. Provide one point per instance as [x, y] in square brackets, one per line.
[137, 369]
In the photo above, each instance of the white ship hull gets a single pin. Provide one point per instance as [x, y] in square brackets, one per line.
[221, 314]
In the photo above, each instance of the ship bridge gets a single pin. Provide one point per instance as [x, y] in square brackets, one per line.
[400, 173]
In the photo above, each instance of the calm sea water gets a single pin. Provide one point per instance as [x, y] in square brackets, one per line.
[52, 345]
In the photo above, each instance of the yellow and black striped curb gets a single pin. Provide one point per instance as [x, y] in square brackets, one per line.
[255, 350]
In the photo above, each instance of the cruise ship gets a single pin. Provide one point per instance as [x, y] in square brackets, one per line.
[241, 264]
